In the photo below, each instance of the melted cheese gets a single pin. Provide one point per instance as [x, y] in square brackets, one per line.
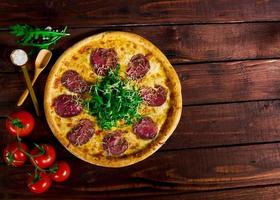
[79, 61]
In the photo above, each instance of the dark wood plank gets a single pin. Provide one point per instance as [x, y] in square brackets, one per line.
[229, 81]
[227, 124]
[205, 126]
[179, 171]
[224, 82]
[105, 13]
[254, 193]
[183, 44]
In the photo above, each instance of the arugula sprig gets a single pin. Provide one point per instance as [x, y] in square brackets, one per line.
[37, 37]
[113, 99]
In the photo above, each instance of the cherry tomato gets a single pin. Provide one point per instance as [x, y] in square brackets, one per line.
[13, 155]
[44, 155]
[60, 171]
[21, 123]
[40, 183]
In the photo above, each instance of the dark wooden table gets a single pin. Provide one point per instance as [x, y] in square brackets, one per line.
[227, 55]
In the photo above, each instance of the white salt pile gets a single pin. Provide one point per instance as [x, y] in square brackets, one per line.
[19, 57]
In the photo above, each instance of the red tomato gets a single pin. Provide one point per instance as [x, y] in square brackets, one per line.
[21, 123]
[39, 184]
[13, 155]
[44, 155]
[60, 171]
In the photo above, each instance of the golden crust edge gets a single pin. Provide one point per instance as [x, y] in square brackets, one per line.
[176, 103]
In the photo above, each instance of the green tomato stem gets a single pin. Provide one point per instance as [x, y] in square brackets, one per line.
[28, 154]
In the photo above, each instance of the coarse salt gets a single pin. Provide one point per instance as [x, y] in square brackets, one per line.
[19, 57]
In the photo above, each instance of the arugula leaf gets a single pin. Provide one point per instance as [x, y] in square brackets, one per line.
[37, 37]
[112, 100]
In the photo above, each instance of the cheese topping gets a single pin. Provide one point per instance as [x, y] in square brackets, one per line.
[80, 62]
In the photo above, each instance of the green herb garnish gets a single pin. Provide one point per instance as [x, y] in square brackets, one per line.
[113, 99]
[37, 37]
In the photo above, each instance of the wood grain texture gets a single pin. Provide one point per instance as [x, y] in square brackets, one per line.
[255, 193]
[123, 12]
[182, 44]
[179, 171]
[224, 82]
[227, 124]
[230, 81]
[252, 193]
[203, 126]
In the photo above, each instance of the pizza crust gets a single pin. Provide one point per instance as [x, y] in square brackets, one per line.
[167, 128]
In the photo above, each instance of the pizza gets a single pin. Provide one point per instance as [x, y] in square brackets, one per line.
[113, 99]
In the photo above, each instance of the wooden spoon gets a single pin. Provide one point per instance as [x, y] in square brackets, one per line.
[41, 62]
[19, 58]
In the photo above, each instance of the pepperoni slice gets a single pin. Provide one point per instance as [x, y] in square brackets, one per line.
[153, 96]
[138, 67]
[67, 105]
[146, 128]
[81, 133]
[114, 143]
[74, 82]
[103, 59]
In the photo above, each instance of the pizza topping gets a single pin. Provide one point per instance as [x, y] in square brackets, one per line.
[146, 128]
[74, 82]
[153, 96]
[113, 100]
[67, 105]
[81, 133]
[114, 143]
[103, 59]
[138, 67]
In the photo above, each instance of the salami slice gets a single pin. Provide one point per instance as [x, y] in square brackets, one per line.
[74, 82]
[103, 59]
[67, 106]
[138, 67]
[114, 143]
[153, 96]
[81, 133]
[146, 128]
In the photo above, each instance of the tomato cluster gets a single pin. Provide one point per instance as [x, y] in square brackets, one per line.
[42, 156]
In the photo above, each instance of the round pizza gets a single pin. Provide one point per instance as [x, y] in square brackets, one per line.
[113, 99]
